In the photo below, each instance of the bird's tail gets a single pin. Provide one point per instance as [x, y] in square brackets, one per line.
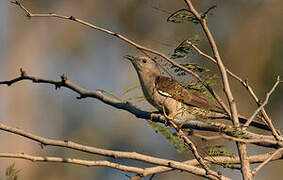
[244, 119]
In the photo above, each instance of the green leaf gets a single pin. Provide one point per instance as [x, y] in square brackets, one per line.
[182, 15]
[183, 49]
[219, 151]
[176, 141]
[12, 172]
[129, 89]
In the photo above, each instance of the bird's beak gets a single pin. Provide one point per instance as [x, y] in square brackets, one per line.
[129, 57]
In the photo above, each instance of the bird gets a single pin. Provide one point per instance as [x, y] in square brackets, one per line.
[175, 101]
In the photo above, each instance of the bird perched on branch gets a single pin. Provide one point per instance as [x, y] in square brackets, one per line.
[170, 97]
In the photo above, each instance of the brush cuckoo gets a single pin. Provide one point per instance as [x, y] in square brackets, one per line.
[170, 97]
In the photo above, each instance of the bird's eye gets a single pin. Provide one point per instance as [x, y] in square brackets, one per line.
[144, 60]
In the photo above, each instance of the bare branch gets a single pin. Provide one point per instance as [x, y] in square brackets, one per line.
[246, 85]
[192, 147]
[141, 171]
[246, 171]
[127, 106]
[147, 171]
[235, 139]
[263, 104]
[246, 141]
[206, 138]
[83, 93]
[115, 154]
[266, 161]
[73, 161]
[220, 160]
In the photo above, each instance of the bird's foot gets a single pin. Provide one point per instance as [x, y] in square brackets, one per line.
[168, 118]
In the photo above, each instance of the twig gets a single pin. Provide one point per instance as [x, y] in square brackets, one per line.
[83, 93]
[73, 161]
[235, 139]
[247, 86]
[263, 104]
[246, 141]
[200, 52]
[218, 160]
[246, 171]
[207, 138]
[193, 148]
[208, 10]
[266, 161]
[109, 153]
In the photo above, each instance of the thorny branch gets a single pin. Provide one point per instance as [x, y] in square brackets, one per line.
[267, 141]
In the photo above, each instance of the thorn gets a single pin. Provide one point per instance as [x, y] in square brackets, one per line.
[34, 79]
[72, 18]
[246, 82]
[208, 10]
[57, 86]
[23, 73]
[15, 2]
[64, 78]
[80, 97]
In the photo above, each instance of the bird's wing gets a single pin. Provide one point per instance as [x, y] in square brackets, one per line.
[171, 88]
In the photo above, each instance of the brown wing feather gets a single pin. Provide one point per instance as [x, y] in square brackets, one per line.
[177, 91]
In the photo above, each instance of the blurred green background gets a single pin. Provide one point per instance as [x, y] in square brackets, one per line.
[250, 40]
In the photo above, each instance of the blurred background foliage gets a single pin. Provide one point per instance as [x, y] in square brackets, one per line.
[250, 40]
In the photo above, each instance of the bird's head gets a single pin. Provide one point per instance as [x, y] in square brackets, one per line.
[144, 65]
